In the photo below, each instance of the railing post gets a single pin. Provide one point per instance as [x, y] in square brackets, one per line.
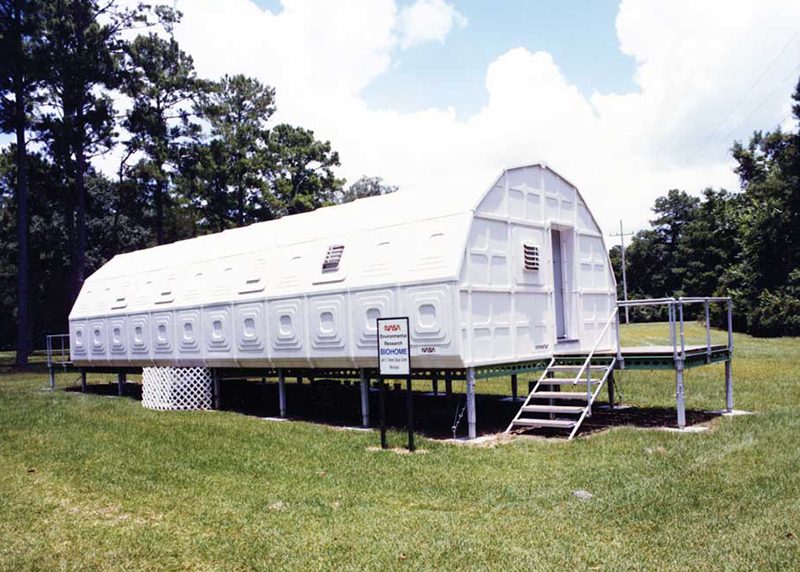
[672, 337]
[52, 377]
[588, 390]
[620, 359]
[728, 386]
[677, 358]
[730, 326]
[683, 344]
[708, 333]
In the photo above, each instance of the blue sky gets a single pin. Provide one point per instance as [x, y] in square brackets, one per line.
[437, 96]
[580, 36]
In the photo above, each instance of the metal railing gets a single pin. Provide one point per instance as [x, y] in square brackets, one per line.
[587, 364]
[676, 329]
[58, 350]
[675, 311]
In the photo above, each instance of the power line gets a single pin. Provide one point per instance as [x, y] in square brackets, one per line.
[760, 103]
[749, 90]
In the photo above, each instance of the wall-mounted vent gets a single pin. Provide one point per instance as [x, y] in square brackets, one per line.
[333, 258]
[530, 255]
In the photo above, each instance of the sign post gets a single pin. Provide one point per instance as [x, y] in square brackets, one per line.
[394, 361]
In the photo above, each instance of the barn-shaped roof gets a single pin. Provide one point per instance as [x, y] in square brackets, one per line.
[397, 238]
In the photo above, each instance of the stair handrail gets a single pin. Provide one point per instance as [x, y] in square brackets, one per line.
[611, 318]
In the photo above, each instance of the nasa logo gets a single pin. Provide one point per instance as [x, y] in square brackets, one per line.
[428, 350]
[391, 327]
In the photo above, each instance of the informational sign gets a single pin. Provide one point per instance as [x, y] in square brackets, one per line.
[394, 347]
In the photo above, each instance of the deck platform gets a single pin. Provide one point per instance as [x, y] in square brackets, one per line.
[656, 357]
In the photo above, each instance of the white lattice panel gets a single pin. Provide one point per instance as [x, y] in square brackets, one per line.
[176, 388]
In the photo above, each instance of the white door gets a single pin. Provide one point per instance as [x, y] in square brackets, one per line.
[558, 284]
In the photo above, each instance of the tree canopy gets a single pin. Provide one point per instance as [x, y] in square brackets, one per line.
[744, 244]
[83, 78]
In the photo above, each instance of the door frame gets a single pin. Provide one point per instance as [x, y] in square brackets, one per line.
[566, 256]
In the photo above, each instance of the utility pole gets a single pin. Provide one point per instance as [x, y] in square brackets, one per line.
[622, 236]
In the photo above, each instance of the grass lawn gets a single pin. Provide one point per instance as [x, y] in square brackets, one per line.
[92, 483]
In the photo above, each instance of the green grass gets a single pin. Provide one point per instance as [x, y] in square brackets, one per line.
[91, 483]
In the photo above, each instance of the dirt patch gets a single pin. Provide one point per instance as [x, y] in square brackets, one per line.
[338, 404]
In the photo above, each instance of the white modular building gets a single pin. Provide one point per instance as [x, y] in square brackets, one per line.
[509, 274]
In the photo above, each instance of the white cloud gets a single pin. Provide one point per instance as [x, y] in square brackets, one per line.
[427, 21]
[695, 61]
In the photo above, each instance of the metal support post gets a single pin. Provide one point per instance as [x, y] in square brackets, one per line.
[382, 410]
[514, 386]
[620, 359]
[299, 380]
[215, 378]
[730, 327]
[728, 386]
[282, 393]
[52, 377]
[410, 413]
[83, 380]
[588, 390]
[471, 403]
[448, 384]
[435, 385]
[364, 398]
[683, 341]
[708, 333]
[121, 383]
[611, 388]
[681, 402]
[672, 337]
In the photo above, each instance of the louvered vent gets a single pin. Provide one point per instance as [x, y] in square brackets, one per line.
[333, 258]
[531, 256]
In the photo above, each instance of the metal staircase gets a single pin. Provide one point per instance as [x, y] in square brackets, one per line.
[574, 405]
[564, 402]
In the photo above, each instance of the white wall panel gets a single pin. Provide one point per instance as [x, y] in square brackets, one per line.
[250, 328]
[163, 335]
[259, 296]
[367, 308]
[139, 339]
[218, 333]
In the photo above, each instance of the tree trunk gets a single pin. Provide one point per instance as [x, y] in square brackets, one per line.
[80, 186]
[160, 210]
[241, 204]
[23, 269]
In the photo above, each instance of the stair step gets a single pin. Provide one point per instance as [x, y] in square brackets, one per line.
[559, 423]
[565, 367]
[565, 381]
[577, 409]
[577, 367]
[559, 395]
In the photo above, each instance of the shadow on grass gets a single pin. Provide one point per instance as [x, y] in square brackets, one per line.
[338, 404]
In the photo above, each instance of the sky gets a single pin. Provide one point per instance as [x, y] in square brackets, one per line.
[625, 99]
